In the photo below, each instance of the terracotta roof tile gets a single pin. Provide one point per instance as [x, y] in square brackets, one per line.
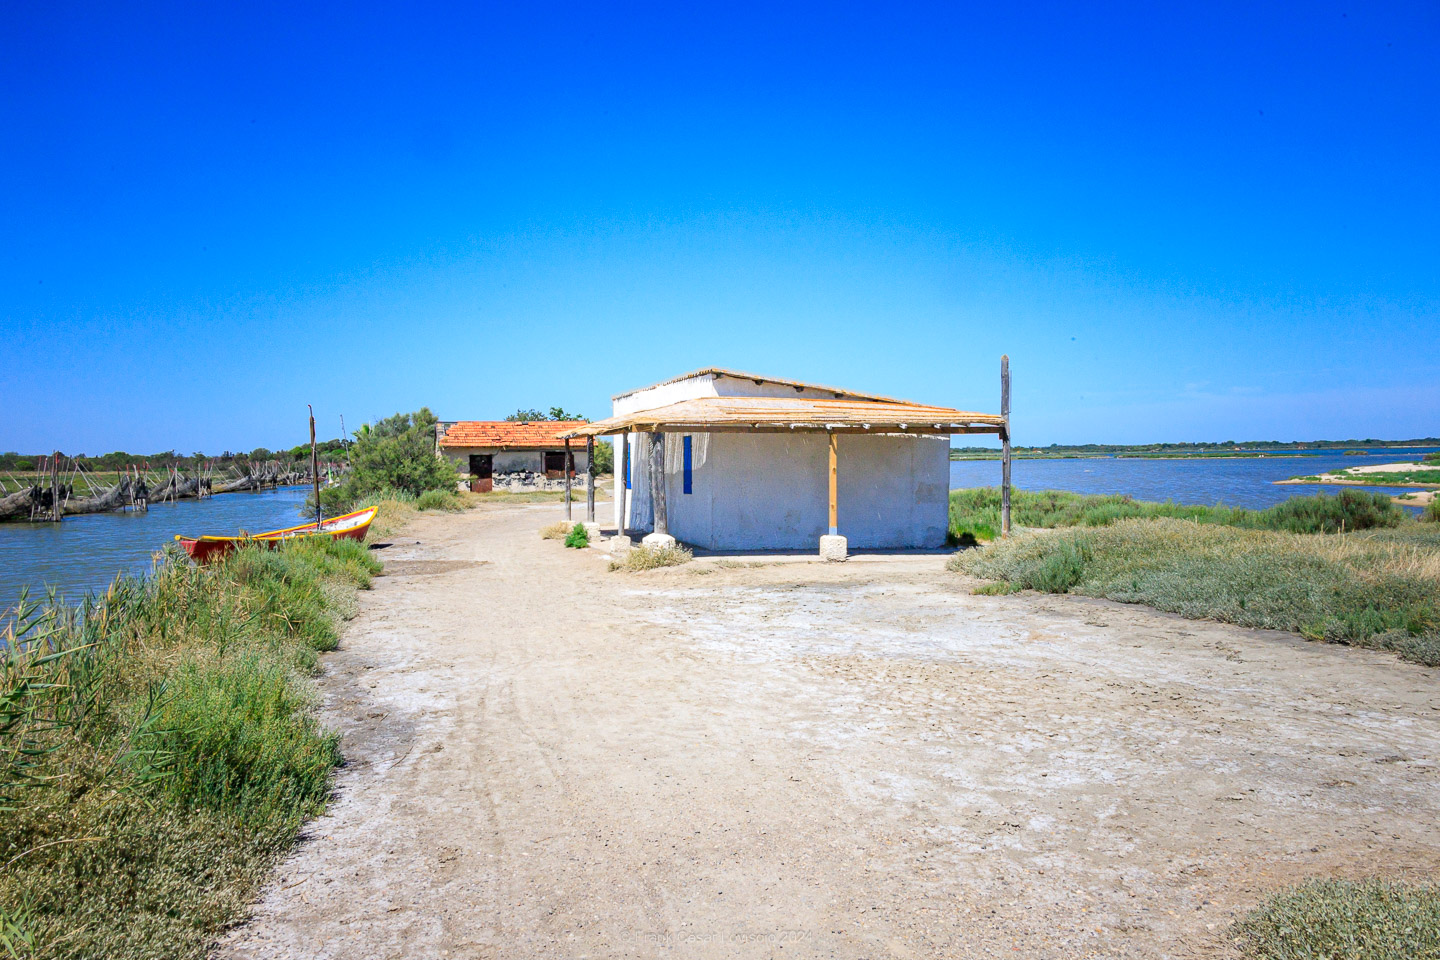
[535, 435]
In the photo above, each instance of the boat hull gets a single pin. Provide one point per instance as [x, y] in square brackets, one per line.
[350, 526]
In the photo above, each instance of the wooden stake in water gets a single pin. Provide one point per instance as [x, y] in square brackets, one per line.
[315, 470]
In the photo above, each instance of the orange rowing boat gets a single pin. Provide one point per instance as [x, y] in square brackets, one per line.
[349, 526]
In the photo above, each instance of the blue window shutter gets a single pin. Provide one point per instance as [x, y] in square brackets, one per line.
[687, 464]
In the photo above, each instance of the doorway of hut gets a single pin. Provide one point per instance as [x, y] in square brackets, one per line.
[555, 464]
[482, 466]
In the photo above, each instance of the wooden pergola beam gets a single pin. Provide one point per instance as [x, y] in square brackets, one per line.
[907, 430]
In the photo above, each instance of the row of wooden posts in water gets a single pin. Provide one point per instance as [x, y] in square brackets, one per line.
[51, 492]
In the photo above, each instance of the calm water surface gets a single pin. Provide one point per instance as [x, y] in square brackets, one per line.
[1247, 482]
[83, 554]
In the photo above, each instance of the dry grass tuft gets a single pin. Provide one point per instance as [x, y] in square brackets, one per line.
[555, 531]
[650, 558]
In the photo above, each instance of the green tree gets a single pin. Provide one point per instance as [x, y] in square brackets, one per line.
[604, 456]
[393, 454]
[535, 416]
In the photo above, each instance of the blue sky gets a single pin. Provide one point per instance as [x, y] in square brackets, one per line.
[1197, 223]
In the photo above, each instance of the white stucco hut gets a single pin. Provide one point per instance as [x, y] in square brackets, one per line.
[725, 460]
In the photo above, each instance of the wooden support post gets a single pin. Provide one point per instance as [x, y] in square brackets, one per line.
[56, 507]
[315, 471]
[834, 486]
[1005, 447]
[657, 482]
[589, 479]
[622, 469]
[566, 467]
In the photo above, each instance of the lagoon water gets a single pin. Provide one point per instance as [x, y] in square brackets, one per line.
[83, 554]
[1237, 482]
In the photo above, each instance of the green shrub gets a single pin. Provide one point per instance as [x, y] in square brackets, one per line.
[1431, 513]
[578, 537]
[396, 453]
[1353, 920]
[1379, 589]
[1349, 510]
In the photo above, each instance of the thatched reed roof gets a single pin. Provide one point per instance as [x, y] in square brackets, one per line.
[793, 414]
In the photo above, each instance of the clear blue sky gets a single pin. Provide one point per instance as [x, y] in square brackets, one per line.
[1182, 224]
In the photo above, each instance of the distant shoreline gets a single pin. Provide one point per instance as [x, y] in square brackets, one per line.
[1199, 452]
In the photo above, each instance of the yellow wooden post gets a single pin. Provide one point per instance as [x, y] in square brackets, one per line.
[834, 486]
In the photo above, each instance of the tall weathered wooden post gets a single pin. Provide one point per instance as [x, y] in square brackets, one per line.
[57, 506]
[566, 467]
[1005, 446]
[590, 479]
[657, 484]
[315, 470]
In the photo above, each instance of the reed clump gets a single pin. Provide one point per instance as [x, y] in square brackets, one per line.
[159, 748]
[1375, 589]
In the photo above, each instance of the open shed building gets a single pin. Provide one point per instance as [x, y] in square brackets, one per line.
[483, 450]
[724, 460]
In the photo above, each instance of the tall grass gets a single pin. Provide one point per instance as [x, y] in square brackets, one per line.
[976, 512]
[158, 748]
[1379, 589]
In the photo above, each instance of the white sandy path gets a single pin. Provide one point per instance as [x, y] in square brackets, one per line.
[800, 760]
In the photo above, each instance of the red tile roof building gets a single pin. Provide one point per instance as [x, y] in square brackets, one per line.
[508, 435]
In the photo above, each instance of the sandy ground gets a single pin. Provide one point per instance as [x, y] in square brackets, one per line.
[804, 760]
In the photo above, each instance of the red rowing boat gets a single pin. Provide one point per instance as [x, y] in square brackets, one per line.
[349, 526]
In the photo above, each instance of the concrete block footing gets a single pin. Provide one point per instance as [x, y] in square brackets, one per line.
[834, 548]
[593, 531]
[658, 540]
[620, 544]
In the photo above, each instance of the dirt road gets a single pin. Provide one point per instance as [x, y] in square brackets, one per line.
[800, 760]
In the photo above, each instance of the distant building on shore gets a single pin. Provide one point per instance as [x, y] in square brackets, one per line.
[483, 450]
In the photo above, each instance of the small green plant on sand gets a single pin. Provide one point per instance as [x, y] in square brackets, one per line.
[578, 537]
[649, 558]
[555, 531]
[1357, 920]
